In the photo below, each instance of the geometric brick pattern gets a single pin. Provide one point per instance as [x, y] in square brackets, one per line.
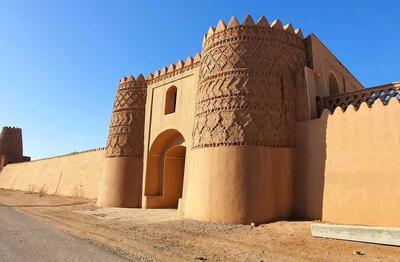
[249, 77]
[126, 133]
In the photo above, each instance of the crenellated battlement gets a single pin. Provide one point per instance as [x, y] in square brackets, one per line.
[174, 69]
[11, 128]
[368, 96]
[181, 66]
[365, 107]
[249, 23]
[164, 73]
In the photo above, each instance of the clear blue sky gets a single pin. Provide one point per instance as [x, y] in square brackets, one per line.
[60, 61]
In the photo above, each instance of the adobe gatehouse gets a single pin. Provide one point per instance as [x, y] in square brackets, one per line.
[263, 124]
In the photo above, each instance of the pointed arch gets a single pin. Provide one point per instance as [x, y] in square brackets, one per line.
[165, 170]
[333, 84]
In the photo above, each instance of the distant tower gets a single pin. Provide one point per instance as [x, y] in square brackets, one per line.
[121, 184]
[11, 150]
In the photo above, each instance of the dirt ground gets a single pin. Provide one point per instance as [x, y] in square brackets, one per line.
[160, 235]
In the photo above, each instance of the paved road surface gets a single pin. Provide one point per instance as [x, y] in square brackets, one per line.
[23, 238]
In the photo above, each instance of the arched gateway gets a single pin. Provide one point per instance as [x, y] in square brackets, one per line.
[165, 170]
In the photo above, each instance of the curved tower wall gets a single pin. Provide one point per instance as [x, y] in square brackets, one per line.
[11, 150]
[243, 136]
[121, 184]
[11, 141]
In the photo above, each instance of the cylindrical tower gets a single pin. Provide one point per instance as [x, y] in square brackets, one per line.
[243, 135]
[121, 184]
[11, 142]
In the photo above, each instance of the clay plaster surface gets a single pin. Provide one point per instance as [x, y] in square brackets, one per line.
[346, 166]
[70, 175]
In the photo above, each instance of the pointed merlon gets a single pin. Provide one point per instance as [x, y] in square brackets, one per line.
[299, 33]
[163, 71]
[220, 27]
[263, 22]
[277, 24]
[171, 68]
[140, 77]
[233, 22]
[179, 65]
[149, 77]
[189, 61]
[131, 78]
[122, 81]
[157, 73]
[196, 58]
[248, 21]
[210, 32]
[289, 28]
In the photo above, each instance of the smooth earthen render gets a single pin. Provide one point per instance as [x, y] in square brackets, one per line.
[263, 125]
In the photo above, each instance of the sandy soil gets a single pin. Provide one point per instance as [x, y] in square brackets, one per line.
[160, 235]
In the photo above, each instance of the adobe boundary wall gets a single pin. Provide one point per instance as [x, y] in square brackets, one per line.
[347, 166]
[76, 174]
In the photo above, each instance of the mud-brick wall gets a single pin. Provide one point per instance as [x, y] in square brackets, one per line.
[70, 175]
[347, 168]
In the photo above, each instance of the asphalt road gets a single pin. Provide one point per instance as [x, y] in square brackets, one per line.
[23, 238]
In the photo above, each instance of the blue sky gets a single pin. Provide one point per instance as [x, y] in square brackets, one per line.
[60, 61]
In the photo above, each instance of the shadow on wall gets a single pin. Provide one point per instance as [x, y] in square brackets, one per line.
[309, 169]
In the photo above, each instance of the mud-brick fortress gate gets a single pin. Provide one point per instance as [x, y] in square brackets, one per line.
[263, 125]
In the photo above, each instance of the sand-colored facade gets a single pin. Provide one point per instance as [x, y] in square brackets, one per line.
[346, 168]
[219, 129]
[76, 175]
[251, 130]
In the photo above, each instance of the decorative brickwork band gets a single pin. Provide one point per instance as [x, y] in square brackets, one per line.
[249, 76]
[125, 137]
